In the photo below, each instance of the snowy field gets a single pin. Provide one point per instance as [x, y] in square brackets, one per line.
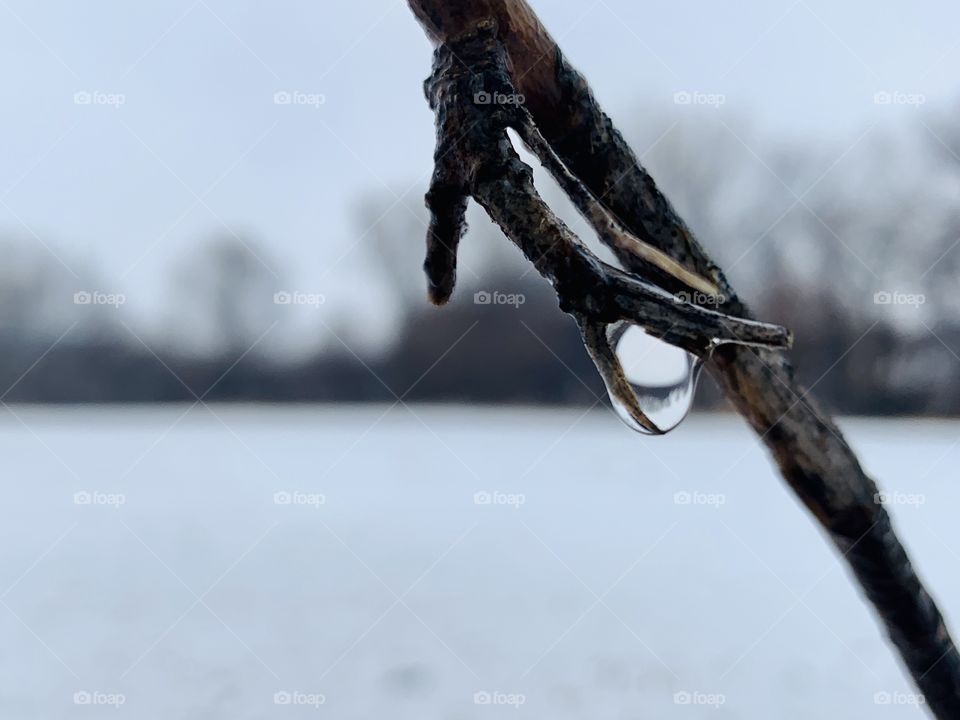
[444, 563]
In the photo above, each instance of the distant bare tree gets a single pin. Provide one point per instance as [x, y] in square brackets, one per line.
[222, 298]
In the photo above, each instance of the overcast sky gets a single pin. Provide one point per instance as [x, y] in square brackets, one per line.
[179, 137]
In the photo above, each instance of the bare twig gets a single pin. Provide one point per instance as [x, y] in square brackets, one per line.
[474, 156]
[591, 160]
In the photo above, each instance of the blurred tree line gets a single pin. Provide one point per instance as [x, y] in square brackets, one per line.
[854, 246]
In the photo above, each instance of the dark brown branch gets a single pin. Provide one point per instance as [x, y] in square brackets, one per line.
[475, 102]
[813, 456]
[470, 92]
[448, 207]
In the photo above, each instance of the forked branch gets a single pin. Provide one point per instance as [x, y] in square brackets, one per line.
[502, 42]
[472, 94]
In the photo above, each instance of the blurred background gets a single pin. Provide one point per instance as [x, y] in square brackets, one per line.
[211, 210]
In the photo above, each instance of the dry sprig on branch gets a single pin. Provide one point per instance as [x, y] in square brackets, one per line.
[498, 50]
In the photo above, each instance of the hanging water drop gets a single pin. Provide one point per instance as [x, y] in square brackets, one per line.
[663, 377]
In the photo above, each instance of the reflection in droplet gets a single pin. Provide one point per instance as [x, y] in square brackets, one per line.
[663, 377]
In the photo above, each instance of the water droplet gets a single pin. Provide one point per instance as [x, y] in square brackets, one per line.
[663, 377]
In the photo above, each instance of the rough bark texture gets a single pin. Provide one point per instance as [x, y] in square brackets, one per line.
[813, 457]
[470, 92]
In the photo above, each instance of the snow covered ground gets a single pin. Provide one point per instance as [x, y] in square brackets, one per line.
[446, 563]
